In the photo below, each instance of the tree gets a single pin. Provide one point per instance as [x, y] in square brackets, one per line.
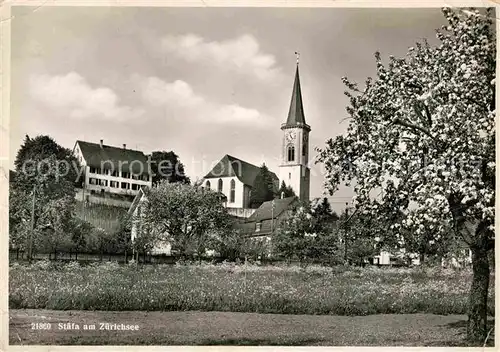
[55, 225]
[167, 166]
[301, 238]
[188, 217]
[80, 232]
[43, 156]
[285, 191]
[42, 196]
[423, 134]
[263, 188]
[322, 211]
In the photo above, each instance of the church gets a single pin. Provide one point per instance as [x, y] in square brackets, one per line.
[234, 177]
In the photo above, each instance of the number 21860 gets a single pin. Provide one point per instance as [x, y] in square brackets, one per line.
[40, 326]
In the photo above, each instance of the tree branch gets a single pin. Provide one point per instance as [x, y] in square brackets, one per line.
[414, 127]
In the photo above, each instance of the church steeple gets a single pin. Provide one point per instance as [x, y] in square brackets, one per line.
[296, 112]
[294, 168]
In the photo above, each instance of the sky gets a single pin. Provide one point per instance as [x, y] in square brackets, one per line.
[203, 82]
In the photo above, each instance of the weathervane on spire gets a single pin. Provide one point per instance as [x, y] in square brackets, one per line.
[298, 56]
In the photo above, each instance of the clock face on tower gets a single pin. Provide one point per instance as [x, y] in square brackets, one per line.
[290, 136]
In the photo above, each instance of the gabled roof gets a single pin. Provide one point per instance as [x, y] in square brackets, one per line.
[296, 112]
[95, 156]
[265, 211]
[265, 216]
[142, 193]
[229, 166]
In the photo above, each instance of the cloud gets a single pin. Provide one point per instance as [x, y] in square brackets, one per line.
[158, 92]
[72, 94]
[180, 97]
[242, 54]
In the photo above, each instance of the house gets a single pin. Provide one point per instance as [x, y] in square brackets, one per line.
[234, 178]
[112, 170]
[267, 218]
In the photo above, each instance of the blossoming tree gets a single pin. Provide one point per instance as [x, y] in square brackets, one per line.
[420, 145]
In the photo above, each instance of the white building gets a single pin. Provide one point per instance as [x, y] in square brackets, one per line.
[234, 178]
[111, 169]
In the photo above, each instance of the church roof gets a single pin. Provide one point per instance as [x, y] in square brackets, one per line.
[229, 166]
[130, 160]
[296, 112]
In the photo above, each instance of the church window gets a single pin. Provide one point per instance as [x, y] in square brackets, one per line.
[232, 191]
[289, 175]
[291, 153]
[207, 184]
[304, 150]
[219, 187]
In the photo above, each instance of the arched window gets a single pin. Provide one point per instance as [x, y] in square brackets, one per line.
[291, 153]
[304, 150]
[207, 184]
[219, 186]
[232, 192]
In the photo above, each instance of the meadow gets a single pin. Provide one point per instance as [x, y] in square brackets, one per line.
[315, 290]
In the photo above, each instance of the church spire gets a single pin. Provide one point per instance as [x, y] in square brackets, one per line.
[296, 112]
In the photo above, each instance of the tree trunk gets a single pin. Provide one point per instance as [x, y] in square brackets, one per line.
[478, 297]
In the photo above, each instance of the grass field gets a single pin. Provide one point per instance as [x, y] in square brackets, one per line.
[284, 290]
[226, 328]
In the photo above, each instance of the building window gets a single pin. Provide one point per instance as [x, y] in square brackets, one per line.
[93, 181]
[207, 184]
[125, 174]
[103, 182]
[232, 191]
[291, 153]
[304, 150]
[257, 227]
[145, 177]
[114, 184]
[136, 177]
[125, 185]
[93, 170]
[289, 175]
[135, 187]
[114, 173]
[219, 186]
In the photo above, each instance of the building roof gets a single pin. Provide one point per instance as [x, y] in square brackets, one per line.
[296, 112]
[229, 166]
[142, 192]
[265, 211]
[130, 160]
[265, 216]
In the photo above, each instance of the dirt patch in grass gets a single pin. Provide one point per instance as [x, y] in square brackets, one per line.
[227, 328]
